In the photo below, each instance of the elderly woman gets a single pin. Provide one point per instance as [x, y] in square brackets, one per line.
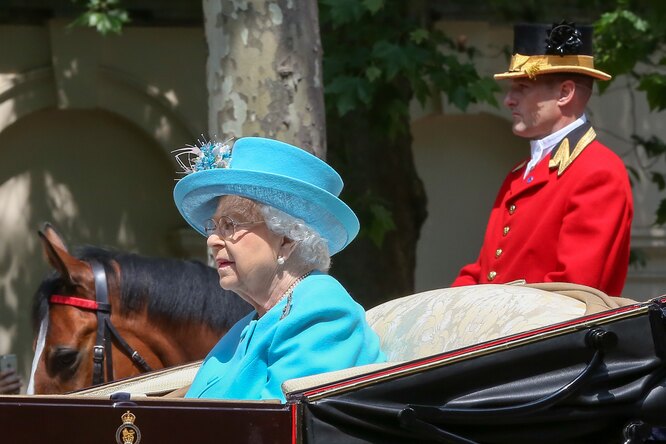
[272, 218]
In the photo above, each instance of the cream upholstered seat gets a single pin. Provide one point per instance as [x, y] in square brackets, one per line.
[447, 319]
[425, 324]
[153, 383]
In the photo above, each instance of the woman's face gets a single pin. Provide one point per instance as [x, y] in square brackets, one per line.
[247, 260]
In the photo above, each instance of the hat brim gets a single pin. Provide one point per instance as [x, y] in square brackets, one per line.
[599, 75]
[535, 65]
[196, 197]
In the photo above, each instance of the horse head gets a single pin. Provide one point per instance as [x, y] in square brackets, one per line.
[104, 315]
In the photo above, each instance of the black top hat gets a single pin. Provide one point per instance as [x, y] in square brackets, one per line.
[547, 49]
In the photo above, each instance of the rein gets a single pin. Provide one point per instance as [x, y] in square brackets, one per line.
[106, 332]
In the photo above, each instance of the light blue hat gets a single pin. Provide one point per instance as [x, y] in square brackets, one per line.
[267, 171]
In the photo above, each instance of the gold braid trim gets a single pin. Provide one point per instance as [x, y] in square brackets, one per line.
[531, 65]
[563, 157]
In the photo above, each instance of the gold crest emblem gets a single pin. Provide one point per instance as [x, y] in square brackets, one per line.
[128, 433]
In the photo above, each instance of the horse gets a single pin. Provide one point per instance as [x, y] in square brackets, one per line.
[103, 315]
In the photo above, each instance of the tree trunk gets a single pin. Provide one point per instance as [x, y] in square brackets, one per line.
[264, 71]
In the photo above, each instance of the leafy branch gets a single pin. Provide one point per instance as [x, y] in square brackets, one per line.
[402, 54]
[631, 40]
[379, 55]
[106, 16]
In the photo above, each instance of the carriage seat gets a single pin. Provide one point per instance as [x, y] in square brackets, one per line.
[436, 321]
[446, 319]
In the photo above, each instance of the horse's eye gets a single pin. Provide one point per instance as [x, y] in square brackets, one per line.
[64, 361]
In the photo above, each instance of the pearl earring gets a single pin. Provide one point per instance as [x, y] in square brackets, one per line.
[280, 260]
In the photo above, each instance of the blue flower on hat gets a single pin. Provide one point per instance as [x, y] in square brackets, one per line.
[205, 155]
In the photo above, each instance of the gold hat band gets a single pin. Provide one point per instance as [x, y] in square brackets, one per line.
[530, 66]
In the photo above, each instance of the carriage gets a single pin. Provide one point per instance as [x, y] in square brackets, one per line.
[485, 364]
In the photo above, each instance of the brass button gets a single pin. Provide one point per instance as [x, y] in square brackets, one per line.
[512, 209]
[492, 275]
[506, 230]
[498, 252]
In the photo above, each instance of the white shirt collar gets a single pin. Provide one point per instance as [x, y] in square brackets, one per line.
[542, 147]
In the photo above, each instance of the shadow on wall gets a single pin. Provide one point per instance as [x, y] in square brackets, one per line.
[462, 160]
[97, 178]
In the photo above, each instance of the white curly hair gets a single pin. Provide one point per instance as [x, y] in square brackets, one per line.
[311, 249]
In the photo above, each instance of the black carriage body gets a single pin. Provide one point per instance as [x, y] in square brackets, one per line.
[513, 390]
[504, 391]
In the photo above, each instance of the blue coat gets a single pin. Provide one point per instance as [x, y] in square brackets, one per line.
[325, 330]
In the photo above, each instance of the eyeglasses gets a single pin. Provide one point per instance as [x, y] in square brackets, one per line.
[225, 227]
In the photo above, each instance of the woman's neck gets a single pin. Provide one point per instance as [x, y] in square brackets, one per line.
[284, 285]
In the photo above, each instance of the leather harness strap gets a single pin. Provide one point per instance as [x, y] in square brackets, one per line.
[103, 341]
[106, 332]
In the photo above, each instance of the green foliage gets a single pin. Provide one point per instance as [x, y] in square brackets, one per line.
[373, 5]
[637, 258]
[378, 56]
[658, 179]
[634, 176]
[631, 39]
[622, 40]
[106, 16]
[654, 149]
[375, 211]
[374, 51]
[382, 223]
[654, 85]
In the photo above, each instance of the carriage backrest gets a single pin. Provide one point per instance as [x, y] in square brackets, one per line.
[446, 319]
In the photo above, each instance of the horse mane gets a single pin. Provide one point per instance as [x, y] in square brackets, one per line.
[172, 290]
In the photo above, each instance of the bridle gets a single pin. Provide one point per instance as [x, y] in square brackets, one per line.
[106, 332]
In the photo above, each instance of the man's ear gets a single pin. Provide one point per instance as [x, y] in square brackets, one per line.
[566, 92]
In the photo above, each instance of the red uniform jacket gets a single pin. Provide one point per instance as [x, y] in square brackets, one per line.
[568, 221]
